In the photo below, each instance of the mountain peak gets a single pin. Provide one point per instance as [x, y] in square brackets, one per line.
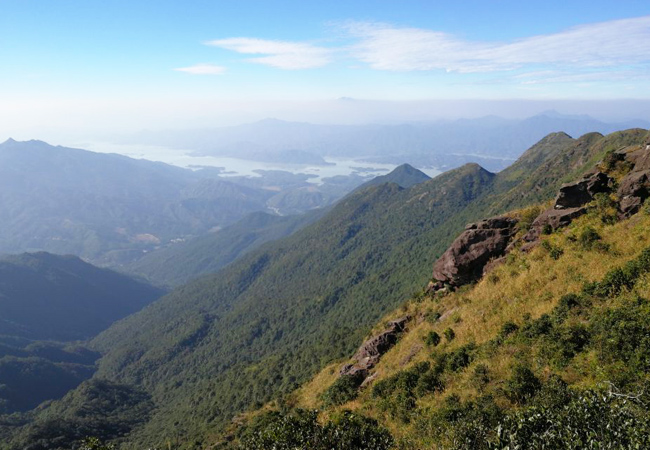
[404, 176]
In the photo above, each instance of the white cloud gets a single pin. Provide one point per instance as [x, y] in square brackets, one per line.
[281, 54]
[203, 69]
[606, 44]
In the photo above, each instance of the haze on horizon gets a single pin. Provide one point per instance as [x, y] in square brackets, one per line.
[87, 70]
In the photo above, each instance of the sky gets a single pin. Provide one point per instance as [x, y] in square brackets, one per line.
[110, 66]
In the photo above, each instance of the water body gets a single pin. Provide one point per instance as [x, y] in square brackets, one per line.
[241, 167]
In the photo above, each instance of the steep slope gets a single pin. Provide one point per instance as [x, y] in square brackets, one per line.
[271, 318]
[180, 262]
[226, 342]
[549, 350]
[45, 296]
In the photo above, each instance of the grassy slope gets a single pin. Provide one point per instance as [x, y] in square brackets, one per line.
[223, 343]
[527, 285]
[227, 342]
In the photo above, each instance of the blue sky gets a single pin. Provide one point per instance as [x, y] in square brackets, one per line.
[114, 63]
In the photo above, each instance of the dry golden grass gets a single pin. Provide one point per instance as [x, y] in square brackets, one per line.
[527, 284]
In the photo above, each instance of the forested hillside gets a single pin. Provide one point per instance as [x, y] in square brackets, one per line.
[47, 304]
[548, 350]
[269, 321]
[178, 263]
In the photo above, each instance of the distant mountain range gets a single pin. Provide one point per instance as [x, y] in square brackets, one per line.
[491, 141]
[109, 208]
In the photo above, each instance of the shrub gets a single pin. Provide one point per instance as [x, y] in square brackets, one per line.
[527, 218]
[300, 430]
[538, 327]
[588, 237]
[344, 389]
[397, 394]
[459, 358]
[449, 334]
[93, 443]
[623, 334]
[507, 329]
[461, 426]
[432, 316]
[522, 385]
[432, 339]
[620, 278]
[480, 377]
[554, 251]
[589, 420]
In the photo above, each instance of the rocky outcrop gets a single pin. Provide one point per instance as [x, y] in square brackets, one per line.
[634, 188]
[372, 350]
[574, 195]
[552, 219]
[569, 204]
[468, 255]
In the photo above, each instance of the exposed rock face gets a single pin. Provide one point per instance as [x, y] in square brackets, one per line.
[555, 218]
[372, 350]
[577, 194]
[633, 191]
[465, 260]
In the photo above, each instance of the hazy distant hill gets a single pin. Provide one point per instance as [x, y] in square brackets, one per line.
[46, 296]
[492, 141]
[404, 176]
[109, 208]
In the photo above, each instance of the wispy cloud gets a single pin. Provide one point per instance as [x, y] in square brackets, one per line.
[606, 44]
[280, 54]
[202, 69]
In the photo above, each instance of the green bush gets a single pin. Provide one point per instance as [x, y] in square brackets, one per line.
[507, 329]
[620, 278]
[480, 377]
[590, 420]
[432, 339]
[93, 443]
[344, 389]
[623, 334]
[300, 430]
[449, 334]
[433, 316]
[459, 358]
[538, 327]
[588, 237]
[522, 385]
[397, 394]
